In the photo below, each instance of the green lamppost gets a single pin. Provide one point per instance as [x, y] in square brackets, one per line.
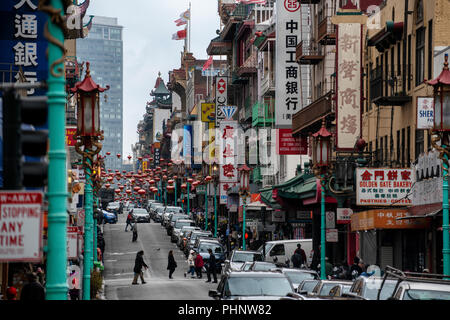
[88, 135]
[244, 189]
[189, 183]
[207, 181]
[321, 160]
[440, 132]
[56, 284]
[215, 174]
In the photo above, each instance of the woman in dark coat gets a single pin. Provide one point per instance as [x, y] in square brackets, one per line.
[172, 264]
[138, 265]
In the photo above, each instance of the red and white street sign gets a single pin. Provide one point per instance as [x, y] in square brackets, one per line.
[72, 242]
[21, 222]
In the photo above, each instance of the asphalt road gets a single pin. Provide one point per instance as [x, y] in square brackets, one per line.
[120, 253]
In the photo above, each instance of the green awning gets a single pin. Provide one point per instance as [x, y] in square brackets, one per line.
[266, 197]
[302, 186]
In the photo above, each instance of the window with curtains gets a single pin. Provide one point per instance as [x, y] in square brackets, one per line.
[420, 55]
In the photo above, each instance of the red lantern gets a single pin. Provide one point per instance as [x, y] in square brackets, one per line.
[244, 172]
[128, 191]
[107, 186]
[190, 180]
[118, 156]
[121, 188]
[108, 153]
[141, 192]
[208, 178]
[117, 191]
[129, 157]
[136, 188]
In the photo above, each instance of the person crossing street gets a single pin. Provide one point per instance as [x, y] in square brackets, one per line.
[138, 264]
[211, 267]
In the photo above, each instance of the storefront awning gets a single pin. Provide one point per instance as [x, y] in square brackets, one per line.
[266, 197]
[426, 215]
[386, 219]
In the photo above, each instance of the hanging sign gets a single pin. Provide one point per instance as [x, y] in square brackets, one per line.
[330, 221]
[227, 144]
[221, 98]
[425, 112]
[72, 242]
[287, 144]
[21, 222]
[332, 235]
[287, 79]
[343, 215]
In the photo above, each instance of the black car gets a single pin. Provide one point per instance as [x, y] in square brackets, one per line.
[252, 285]
[217, 249]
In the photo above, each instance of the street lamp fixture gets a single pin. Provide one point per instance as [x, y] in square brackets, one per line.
[441, 86]
[321, 162]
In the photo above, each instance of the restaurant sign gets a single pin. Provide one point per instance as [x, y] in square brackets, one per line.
[383, 187]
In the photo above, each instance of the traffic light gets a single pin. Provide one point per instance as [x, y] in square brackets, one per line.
[246, 236]
[31, 171]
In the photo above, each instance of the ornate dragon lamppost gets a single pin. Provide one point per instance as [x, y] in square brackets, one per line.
[440, 131]
[88, 135]
[321, 162]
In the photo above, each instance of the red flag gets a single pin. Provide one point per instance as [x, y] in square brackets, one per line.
[180, 35]
[207, 63]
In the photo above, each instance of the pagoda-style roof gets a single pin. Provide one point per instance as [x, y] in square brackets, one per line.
[160, 87]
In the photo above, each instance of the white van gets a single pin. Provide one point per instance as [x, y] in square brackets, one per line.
[282, 250]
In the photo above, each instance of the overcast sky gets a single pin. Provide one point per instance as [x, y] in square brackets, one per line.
[149, 48]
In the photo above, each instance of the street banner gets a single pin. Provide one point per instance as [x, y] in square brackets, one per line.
[187, 144]
[348, 85]
[70, 141]
[208, 112]
[287, 144]
[21, 225]
[287, 79]
[425, 113]
[72, 242]
[383, 187]
[221, 98]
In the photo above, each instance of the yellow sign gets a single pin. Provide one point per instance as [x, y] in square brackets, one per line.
[144, 165]
[208, 112]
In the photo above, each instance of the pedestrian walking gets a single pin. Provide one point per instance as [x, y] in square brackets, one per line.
[129, 222]
[198, 263]
[301, 255]
[135, 232]
[172, 264]
[191, 264]
[355, 269]
[211, 267]
[33, 290]
[138, 264]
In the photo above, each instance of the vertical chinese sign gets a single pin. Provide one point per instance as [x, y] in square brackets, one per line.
[287, 80]
[227, 157]
[23, 43]
[348, 70]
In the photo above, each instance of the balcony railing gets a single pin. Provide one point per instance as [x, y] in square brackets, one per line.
[386, 87]
[326, 32]
[263, 114]
[268, 85]
[307, 52]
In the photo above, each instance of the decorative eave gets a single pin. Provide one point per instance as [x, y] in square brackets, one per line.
[217, 47]
[88, 84]
[387, 36]
[247, 25]
[444, 77]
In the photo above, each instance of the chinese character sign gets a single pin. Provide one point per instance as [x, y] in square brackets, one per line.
[348, 113]
[22, 42]
[384, 187]
[287, 80]
[228, 146]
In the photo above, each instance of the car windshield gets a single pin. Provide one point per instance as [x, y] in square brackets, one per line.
[140, 211]
[257, 286]
[298, 277]
[247, 256]
[371, 290]
[175, 217]
[173, 209]
[326, 287]
[196, 235]
[216, 248]
[264, 266]
[246, 266]
[414, 294]
[308, 286]
[180, 224]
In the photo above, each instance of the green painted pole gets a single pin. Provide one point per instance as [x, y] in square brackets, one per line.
[445, 221]
[165, 195]
[188, 211]
[243, 224]
[215, 210]
[88, 222]
[322, 230]
[56, 285]
[94, 234]
[206, 207]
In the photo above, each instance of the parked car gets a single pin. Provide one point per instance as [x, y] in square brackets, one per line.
[217, 249]
[262, 266]
[113, 207]
[109, 217]
[174, 209]
[296, 276]
[152, 210]
[307, 286]
[140, 215]
[246, 266]
[282, 250]
[340, 290]
[180, 223]
[184, 234]
[417, 286]
[173, 217]
[193, 238]
[238, 258]
[323, 287]
[367, 288]
[252, 286]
